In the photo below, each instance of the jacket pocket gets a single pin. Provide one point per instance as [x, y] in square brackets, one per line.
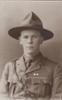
[39, 86]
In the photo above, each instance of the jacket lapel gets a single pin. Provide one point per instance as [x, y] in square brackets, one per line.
[34, 66]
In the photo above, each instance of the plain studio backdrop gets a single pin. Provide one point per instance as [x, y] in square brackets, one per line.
[11, 14]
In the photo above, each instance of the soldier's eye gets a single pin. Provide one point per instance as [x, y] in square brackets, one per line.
[25, 37]
[35, 36]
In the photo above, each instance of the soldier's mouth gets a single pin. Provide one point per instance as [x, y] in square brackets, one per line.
[29, 46]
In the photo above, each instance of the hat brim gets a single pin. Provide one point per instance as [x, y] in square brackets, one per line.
[15, 32]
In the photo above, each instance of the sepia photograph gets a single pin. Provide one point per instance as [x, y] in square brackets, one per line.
[30, 50]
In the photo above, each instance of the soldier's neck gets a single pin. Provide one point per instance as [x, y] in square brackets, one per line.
[31, 57]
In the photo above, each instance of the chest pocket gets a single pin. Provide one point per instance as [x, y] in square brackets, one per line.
[38, 86]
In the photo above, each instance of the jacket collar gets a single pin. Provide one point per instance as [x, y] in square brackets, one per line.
[36, 64]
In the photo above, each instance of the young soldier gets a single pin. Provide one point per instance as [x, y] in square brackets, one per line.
[32, 75]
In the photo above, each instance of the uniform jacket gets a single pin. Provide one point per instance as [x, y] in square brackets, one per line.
[42, 79]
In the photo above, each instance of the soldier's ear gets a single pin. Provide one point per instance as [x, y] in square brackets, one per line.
[20, 41]
[41, 39]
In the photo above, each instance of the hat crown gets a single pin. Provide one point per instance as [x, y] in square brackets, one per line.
[32, 19]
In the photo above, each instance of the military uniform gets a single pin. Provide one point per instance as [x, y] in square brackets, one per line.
[43, 79]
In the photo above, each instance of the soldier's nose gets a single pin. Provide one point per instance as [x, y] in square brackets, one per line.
[29, 40]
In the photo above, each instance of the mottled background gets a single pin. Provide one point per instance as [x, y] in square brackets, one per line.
[11, 14]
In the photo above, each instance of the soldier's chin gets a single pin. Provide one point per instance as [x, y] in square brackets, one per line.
[30, 52]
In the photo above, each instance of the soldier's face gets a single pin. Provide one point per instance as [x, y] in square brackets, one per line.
[30, 40]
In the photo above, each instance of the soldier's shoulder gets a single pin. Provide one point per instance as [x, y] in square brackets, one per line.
[50, 63]
[11, 62]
